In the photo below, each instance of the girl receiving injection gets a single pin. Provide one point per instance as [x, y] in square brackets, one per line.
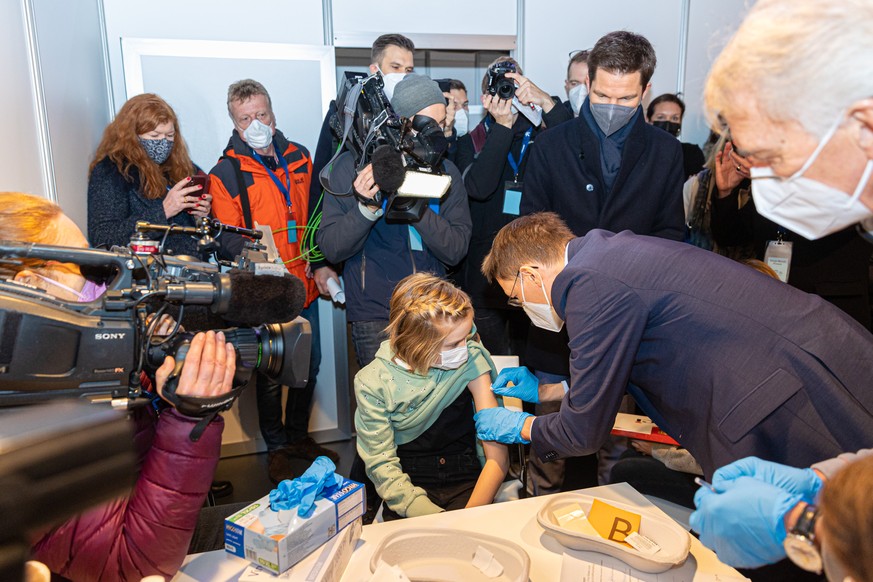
[416, 402]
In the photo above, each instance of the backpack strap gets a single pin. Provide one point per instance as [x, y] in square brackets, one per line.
[243, 190]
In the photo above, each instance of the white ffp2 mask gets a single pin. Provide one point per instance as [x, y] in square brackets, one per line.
[808, 207]
[258, 135]
[542, 315]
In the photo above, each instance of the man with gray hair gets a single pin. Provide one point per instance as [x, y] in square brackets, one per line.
[812, 160]
[264, 178]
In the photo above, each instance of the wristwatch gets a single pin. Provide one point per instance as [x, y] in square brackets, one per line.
[800, 544]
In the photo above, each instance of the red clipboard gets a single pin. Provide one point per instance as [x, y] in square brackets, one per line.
[637, 426]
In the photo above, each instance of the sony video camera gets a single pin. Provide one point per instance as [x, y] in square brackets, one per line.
[498, 84]
[406, 153]
[50, 348]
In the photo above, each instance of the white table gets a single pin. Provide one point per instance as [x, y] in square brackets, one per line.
[513, 520]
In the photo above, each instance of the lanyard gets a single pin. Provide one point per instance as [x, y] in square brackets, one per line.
[283, 188]
[509, 157]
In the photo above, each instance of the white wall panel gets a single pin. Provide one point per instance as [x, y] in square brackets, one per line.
[448, 17]
[550, 33]
[74, 84]
[711, 25]
[20, 162]
[281, 21]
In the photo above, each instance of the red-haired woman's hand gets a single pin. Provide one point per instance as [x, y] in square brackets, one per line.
[181, 197]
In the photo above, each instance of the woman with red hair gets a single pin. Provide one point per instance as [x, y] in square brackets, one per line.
[142, 171]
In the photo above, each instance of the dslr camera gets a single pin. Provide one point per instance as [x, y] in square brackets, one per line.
[498, 84]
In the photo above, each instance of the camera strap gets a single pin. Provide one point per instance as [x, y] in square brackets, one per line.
[349, 109]
[205, 408]
[242, 189]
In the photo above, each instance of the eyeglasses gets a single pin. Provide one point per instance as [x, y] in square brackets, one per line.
[514, 301]
[572, 54]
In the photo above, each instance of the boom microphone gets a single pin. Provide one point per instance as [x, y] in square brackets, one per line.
[259, 299]
[388, 169]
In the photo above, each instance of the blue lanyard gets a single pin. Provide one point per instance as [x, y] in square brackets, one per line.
[509, 157]
[283, 188]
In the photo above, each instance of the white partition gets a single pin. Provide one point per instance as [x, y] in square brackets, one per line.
[549, 34]
[450, 24]
[710, 26]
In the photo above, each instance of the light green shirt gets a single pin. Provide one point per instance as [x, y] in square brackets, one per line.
[395, 406]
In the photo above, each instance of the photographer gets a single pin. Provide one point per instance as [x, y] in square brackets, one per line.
[378, 253]
[147, 532]
[493, 158]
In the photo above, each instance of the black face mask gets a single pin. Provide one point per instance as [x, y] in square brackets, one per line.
[430, 143]
[670, 127]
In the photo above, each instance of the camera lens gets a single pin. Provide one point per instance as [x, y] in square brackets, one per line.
[505, 89]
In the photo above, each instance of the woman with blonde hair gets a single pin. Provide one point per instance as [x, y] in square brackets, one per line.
[416, 402]
[142, 171]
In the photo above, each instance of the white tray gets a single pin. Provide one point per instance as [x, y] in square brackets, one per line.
[673, 539]
[446, 555]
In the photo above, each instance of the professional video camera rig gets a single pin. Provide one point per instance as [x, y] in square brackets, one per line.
[51, 348]
[366, 122]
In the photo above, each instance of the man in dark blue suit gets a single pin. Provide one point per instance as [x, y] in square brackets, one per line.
[729, 361]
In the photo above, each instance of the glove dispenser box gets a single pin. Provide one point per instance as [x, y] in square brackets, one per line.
[276, 540]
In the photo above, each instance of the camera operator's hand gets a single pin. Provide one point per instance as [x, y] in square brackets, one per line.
[500, 109]
[181, 198]
[321, 276]
[450, 115]
[529, 93]
[365, 184]
[164, 326]
[209, 367]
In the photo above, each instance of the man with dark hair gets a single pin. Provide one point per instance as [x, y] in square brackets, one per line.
[576, 84]
[606, 169]
[747, 366]
[392, 53]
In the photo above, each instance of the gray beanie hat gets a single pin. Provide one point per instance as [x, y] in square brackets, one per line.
[414, 93]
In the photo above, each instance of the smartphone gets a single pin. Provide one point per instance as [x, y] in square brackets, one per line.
[201, 180]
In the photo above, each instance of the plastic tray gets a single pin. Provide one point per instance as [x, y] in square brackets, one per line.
[447, 554]
[673, 539]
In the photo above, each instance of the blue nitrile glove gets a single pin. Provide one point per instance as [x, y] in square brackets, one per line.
[803, 482]
[501, 425]
[743, 521]
[526, 387]
[318, 481]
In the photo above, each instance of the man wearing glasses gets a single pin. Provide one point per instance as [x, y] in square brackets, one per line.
[728, 361]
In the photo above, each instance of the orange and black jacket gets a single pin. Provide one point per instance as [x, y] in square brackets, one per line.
[266, 201]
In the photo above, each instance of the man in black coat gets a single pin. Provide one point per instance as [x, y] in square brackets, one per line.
[605, 169]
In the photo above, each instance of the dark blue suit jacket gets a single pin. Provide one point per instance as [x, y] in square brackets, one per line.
[729, 361]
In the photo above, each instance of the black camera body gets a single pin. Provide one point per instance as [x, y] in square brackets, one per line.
[366, 122]
[498, 84]
[50, 348]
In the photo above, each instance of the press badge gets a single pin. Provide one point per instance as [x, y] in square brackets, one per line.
[778, 257]
[512, 198]
[292, 231]
[415, 242]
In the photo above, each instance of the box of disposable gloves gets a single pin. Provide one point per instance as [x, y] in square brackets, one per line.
[299, 516]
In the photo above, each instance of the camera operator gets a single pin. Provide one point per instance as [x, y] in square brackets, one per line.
[377, 253]
[493, 158]
[147, 532]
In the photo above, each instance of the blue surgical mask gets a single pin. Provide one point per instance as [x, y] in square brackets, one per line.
[157, 149]
[90, 290]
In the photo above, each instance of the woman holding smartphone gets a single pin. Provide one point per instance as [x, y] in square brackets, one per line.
[142, 171]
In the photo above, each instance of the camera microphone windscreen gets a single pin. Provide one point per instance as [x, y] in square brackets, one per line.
[259, 299]
[388, 169]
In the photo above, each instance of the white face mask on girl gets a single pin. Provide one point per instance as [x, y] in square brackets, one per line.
[453, 359]
[542, 315]
[806, 206]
